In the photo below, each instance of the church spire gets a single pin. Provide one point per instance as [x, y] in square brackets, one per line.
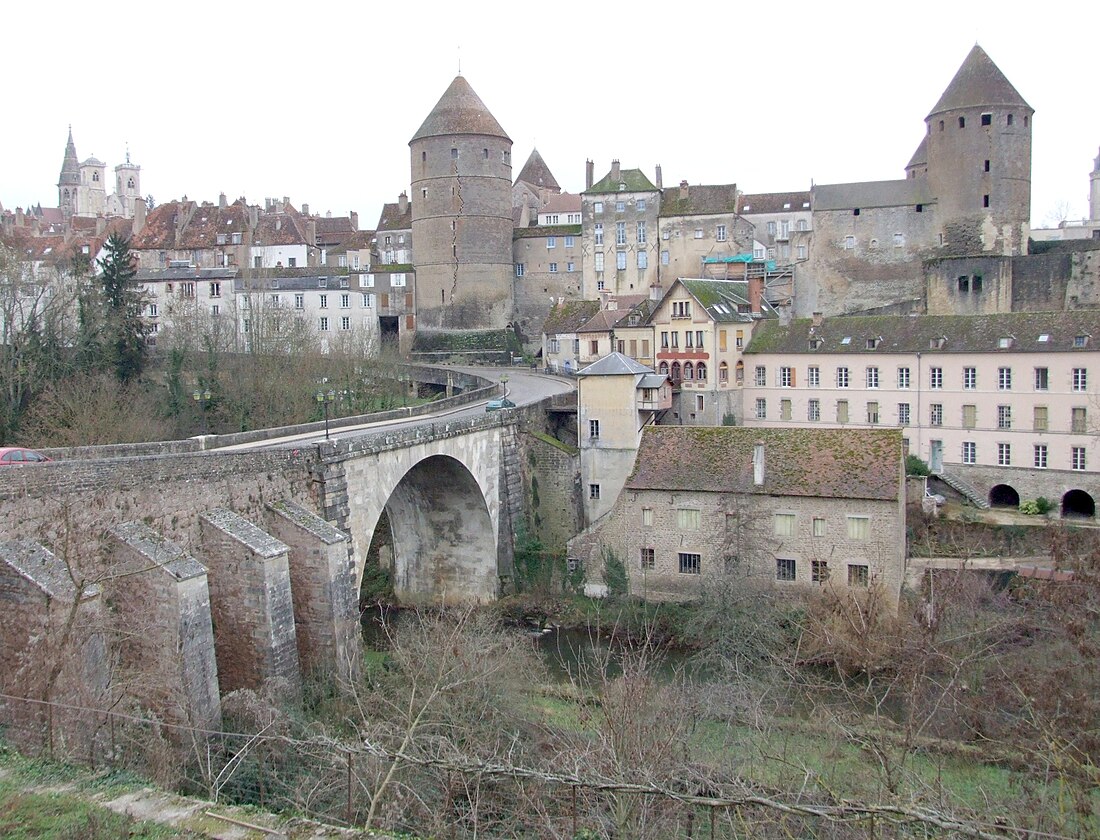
[70, 166]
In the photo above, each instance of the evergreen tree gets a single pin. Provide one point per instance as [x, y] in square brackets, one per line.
[124, 328]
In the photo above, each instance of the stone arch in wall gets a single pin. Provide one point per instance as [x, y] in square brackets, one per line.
[1077, 504]
[436, 532]
[1004, 496]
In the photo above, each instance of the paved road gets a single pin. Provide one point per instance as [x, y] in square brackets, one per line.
[524, 387]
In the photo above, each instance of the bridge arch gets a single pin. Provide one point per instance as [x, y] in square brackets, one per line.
[1077, 504]
[1004, 496]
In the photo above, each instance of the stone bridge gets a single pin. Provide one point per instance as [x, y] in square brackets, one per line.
[229, 569]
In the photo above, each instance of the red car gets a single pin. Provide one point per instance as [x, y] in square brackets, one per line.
[18, 455]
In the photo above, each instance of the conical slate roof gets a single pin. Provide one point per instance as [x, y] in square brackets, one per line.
[460, 111]
[70, 167]
[920, 156]
[978, 82]
[537, 173]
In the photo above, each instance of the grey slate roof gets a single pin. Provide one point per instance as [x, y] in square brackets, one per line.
[652, 380]
[537, 173]
[158, 551]
[910, 191]
[614, 364]
[829, 463]
[922, 333]
[920, 156]
[459, 111]
[978, 82]
[633, 180]
[724, 299]
[154, 274]
[569, 316]
[779, 202]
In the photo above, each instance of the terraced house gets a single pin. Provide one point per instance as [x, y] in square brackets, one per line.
[1004, 406]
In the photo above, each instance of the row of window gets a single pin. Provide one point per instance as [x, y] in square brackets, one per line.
[620, 234]
[785, 377]
[786, 568]
[1077, 458]
[620, 206]
[552, 242]
[689, 371]
[1040, 414]
[521, 268]
[620, 260]
[554, 219]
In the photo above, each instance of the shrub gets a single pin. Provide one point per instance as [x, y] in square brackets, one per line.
[1044, 504]
[1029, 508]
[614, 575]
[915, 466]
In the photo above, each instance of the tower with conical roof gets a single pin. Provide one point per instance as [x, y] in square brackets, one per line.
[462, 215]
[979, 160]
[68, 185]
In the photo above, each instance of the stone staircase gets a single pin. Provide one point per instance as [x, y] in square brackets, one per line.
[964, 489]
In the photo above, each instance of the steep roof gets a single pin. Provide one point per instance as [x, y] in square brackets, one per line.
[923, 333]
[978, 82]
[632, 180]
[701, 200]
[920, 156]
[393, 219]
[70, 166]
[779, 202]
[460, 111]
[569, 316]
[537, 173]
[562, 203]
[831, 463]
[871, 194]
[614, 364]
[724, 300]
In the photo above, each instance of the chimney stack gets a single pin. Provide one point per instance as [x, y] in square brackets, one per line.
[615, 171]
[656, 292]
[588, 174]
[660, 180]
[286, 203]
[756, 293]
[403, 203]
[305, 209]
[758, 463]
[139, 215]
[683, 190]
[222, 203]
[354, 220]
[818, 318]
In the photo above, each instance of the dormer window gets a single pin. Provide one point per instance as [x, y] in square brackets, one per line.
[746, 208]
[622, 187]
[937, 343]
[1004, 342]
[872, 343]
[815, 343]
[846, 340]
[1081, 340]
[1044, 338]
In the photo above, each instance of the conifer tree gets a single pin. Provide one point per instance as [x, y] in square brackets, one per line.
[124, 328]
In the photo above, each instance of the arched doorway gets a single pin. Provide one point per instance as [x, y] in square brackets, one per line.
[1077, 504]
[439, 536]
[1004, 496]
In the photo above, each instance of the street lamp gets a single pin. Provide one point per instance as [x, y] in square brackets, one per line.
[324, 399]
[504, 382]
[202, 397]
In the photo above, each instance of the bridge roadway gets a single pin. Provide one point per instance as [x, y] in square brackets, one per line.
[524, 387]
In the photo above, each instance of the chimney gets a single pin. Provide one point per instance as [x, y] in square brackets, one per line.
[758, 463]
[311, 233]
[19, 216]
[655, 291]
[100, 225]
[403, 203]
[305, 209]
[818, 319]
[683, 190]
[139, 215]
[253, 217]
[756, 293]
[588, 174]
[660, 180]
[525, 215]
[354, 220]
[544, 196]
[615, 171]
[222, 203]
[286, 202]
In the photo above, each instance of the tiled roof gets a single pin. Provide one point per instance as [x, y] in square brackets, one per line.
[279, 229]
[780, 202]
[569, 316]
[909, 191]
[831, 463]
[978, 82]
[159, 231]
[393, 219]
[562, 203]
[724, 299]
[354, 242]
[614, 364]
[209, 220]
[617, 310]
[632, 180]
[459, 111]
[154, 275]
[701, 200]
[923, 333]
[537, 173]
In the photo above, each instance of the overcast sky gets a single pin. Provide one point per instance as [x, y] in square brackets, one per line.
[318, 101]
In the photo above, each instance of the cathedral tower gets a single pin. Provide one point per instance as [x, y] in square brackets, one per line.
[979, 160]
[92, 194]
[68, 184]
[127, 186]
[462, 215]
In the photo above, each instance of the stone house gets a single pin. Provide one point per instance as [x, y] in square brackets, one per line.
[561, 349]
[393, 237]
[697, 222]
[619, 215]
[700, 328]
[801, 508]
[1003, 405]
[616, 398]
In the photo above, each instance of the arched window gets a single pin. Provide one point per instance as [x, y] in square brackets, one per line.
[723, 372]
[130, 184]
[675, 371]
[740, 372]
[663, 369]
[689, 371]
[95, 176]
[701, 372]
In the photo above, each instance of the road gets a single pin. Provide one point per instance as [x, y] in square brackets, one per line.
[524, 387]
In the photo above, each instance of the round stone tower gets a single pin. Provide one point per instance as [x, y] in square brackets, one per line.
[462, 215]
[979, 160]
[68, 185]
